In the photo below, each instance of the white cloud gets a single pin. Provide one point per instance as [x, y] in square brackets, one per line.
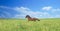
[21, 9]
[19, 16]
[47, 8]
[26, 11]
[5, 14]
[5, 7]
[1, 16]
[55, 10]
[57, 16]
[51, 9]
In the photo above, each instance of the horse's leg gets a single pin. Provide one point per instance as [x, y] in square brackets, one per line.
[38, 20]
[28, 20]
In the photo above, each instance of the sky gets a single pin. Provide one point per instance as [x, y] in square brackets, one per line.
[34, 8]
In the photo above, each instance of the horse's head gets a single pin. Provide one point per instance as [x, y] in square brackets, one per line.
[27, 16]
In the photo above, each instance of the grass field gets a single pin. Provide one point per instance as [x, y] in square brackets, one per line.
[52, 24]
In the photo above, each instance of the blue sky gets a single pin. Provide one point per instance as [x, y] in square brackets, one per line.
[34, 8]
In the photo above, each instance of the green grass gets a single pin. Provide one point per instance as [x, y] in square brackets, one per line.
[23, 25]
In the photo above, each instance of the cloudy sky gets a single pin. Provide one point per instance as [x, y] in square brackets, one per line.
[34, 8]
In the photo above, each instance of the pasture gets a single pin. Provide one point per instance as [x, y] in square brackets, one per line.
[49, 24]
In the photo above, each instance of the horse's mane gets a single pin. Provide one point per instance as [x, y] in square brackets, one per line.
[28, 16]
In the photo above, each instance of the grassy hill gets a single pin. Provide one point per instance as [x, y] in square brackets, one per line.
[49, 24]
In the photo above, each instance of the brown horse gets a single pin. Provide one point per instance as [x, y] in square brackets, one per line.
[31, 19]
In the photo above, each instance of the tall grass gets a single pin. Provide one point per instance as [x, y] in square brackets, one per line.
[24, 25]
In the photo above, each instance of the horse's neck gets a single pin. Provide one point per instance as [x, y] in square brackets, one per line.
[29, 18]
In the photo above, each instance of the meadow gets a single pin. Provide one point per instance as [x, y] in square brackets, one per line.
[48, 24]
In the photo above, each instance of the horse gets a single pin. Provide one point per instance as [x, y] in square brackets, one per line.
[31, 19]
